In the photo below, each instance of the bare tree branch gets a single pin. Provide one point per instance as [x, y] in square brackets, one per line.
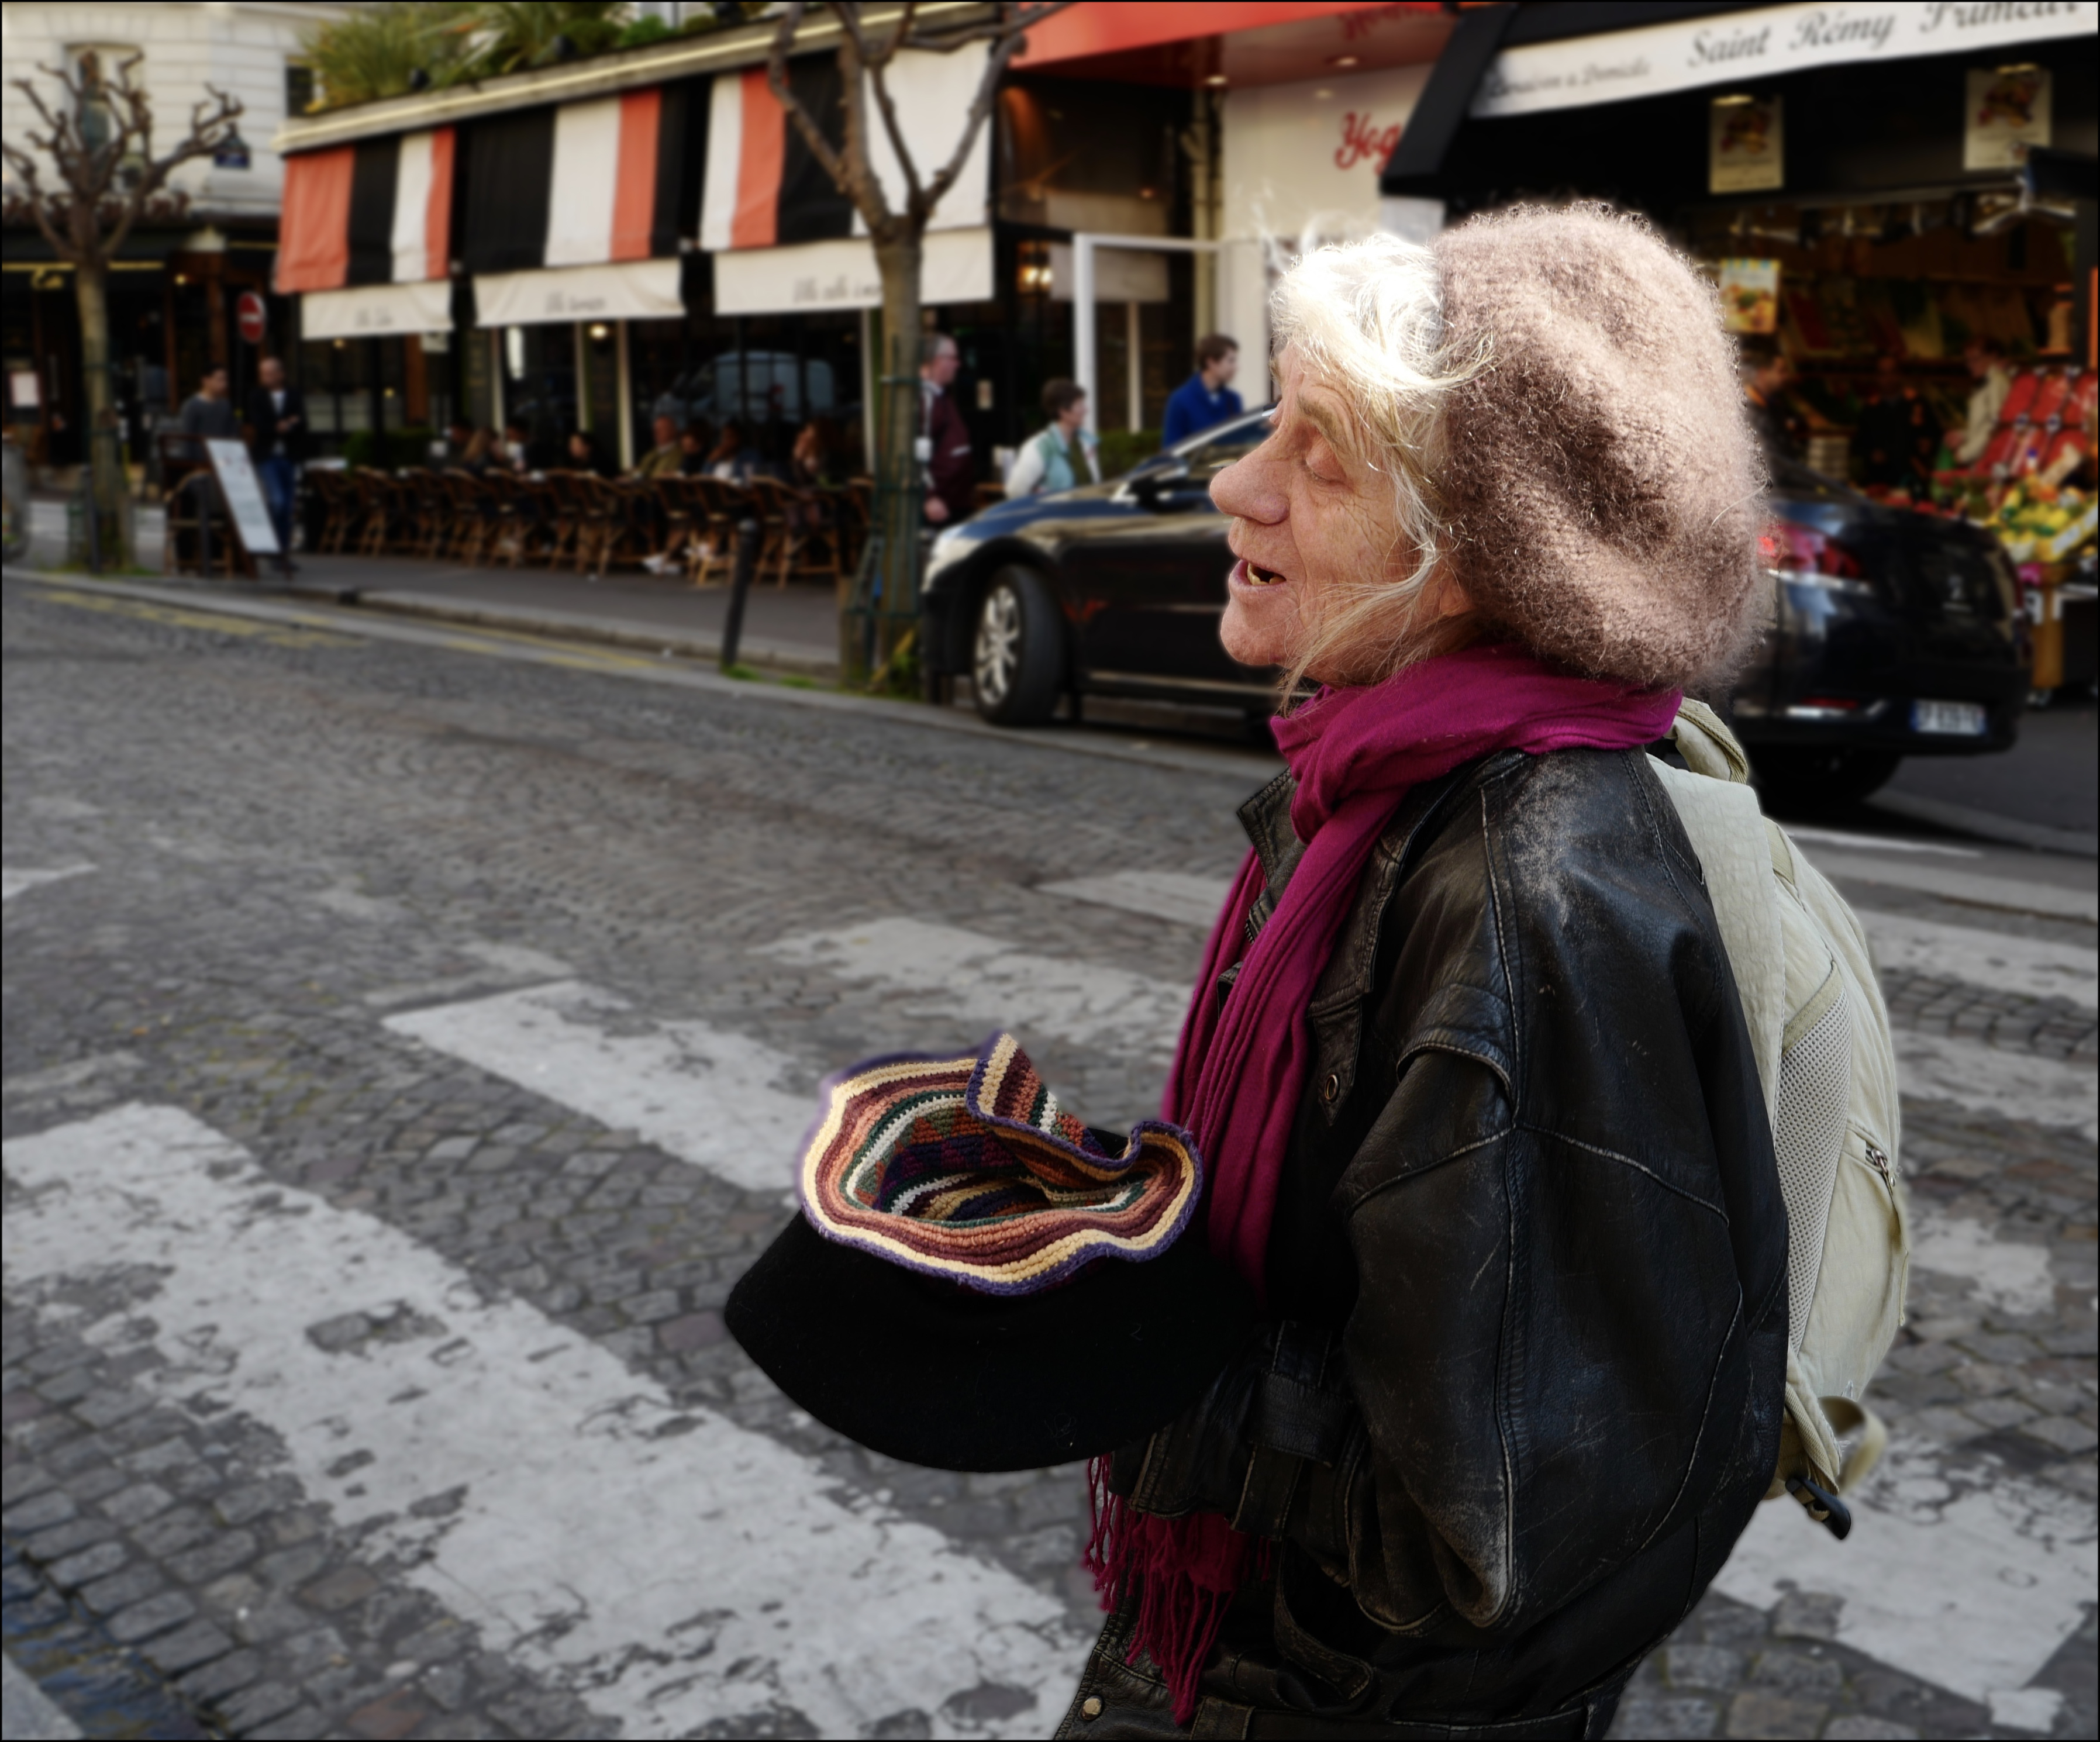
[95, 217]
[1014, 24]
[849, 172]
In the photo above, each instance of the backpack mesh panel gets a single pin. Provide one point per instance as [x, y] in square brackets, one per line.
[1808, 1135]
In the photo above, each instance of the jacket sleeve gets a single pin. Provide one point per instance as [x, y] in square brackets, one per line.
[1544, 1368]
[1027, 477]
[1176, 425]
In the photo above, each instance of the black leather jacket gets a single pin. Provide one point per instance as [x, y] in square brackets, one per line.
[1521, 1388]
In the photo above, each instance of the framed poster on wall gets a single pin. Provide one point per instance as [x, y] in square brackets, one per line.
[1746, 144]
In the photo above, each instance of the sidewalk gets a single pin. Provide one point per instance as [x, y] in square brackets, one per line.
[790, 629]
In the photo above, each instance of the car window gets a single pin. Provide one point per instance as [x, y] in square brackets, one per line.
[1231, 444]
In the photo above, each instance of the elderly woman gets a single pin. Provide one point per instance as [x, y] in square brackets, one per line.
[1465, 1060]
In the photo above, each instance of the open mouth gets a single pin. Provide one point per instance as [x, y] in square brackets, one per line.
[1256, 576]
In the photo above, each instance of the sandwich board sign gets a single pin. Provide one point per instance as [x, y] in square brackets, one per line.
[243, 491]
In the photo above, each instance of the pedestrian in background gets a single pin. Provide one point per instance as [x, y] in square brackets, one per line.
[1896, 435]
[695, 440]
[1053, 459]
[277, 441]
[732, 459]
[944, 438]
[585, 455]
[1478, 1115]
[207, 414]
[1766, 375]
[815, 463]
[663, 460]
[1986, 359]
[1206, 398]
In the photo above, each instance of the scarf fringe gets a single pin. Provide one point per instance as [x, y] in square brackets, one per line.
[1186, 1572]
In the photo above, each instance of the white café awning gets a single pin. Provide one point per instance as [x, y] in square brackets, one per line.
[364, 311]
[955, 266]
[619, 290]
[1735, 47]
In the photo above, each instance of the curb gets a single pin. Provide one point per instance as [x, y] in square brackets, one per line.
[642, 638]
[313, 610]
[1987, 825]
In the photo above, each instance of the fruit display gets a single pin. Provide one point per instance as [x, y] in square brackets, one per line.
[2039, 522]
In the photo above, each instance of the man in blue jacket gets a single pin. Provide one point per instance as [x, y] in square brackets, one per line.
[1206, 398]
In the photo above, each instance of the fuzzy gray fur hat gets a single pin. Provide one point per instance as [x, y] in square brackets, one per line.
[1602, 477]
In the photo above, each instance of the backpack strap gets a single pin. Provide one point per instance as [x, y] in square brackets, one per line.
[1707, 745]
[1722, 821]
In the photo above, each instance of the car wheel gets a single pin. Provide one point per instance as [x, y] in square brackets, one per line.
[1017, 658]
[1816, 780]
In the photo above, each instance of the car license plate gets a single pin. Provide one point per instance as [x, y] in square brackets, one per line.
[1949, 719]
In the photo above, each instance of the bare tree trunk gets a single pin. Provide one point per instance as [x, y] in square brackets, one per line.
[103, 455]
[897, 257]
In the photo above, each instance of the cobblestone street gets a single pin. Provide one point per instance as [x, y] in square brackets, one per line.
[407, 1032]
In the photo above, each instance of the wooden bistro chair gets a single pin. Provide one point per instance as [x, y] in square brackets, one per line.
[331, 488]
[378, 510]
[190, 500]
[605, 517]
[713, 552]
[850, 512]
[780, 535]
[564, 504]
[470, 516]
[521, 507]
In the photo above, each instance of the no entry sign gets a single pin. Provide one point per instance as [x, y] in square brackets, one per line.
[248, 313]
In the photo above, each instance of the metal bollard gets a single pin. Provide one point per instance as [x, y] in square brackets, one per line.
[739, 589]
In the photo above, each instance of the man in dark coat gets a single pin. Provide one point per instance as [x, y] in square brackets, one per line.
[944, 438]
[277, 437]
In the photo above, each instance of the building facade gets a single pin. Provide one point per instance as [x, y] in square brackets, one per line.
[173, 292]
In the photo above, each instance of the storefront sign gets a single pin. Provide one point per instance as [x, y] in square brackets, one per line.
[1746, 145]
[2007, 114]
[624, 290]
[955, 266]
[1736, 47]
[244, 496]
[375, 311]
[1750, 295]
[1305, 158]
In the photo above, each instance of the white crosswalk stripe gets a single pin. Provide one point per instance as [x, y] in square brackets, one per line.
[1989, 1079]
[2033, 966]
[951, 973]
[1933, 1067]
[674, 1570]
[706, 1097]
[1165, 895]
[1963, 1575]
[14, 880]
[714, 1524]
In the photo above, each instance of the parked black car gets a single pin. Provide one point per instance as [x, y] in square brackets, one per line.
[1894, 633]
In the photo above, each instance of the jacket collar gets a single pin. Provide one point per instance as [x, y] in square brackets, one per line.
[1266, 817]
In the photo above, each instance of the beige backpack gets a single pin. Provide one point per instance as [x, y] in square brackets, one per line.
[1820, 1035]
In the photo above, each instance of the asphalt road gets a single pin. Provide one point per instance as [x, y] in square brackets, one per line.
[407, 1030]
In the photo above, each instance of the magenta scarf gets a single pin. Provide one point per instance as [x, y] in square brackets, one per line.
[1240, 1070]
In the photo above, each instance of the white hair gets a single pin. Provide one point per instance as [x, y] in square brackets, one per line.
[1366, 318]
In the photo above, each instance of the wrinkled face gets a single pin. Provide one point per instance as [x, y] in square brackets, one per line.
[1304, 517]
[941, 370]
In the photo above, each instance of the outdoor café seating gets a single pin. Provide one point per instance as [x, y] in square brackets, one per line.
[676, 524]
